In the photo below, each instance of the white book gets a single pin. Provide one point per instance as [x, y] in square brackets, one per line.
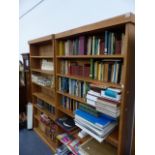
[109, 113]
[94, 93]
[106, 103]
[90, 102]
[87, 122]
[107, 107]
[91, 97]
[100, 133]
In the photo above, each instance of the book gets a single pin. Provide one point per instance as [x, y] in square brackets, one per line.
[100, 121]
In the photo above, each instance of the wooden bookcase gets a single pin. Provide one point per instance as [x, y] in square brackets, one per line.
[48, 48]
[121, 137]
[43, 49]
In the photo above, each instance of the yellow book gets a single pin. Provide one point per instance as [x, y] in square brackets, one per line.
[61, 48]
[99, 71]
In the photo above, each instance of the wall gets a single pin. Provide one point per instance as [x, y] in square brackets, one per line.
[53, 16]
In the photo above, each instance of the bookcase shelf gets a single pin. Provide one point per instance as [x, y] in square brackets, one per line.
[113, 138]
[106, 84]
[51, 116]
[42, 71]
[45, 98]
[45, 87]
[72, 97]
[42, 57]
[46, 139]
[66, 111]
[90, 56]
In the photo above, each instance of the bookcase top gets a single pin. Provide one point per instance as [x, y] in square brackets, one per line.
[114, 21]
[42, 39]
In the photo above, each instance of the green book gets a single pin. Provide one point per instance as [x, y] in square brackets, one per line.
[91, 75]
[89, 109]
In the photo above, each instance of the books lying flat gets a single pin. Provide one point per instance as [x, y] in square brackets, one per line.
[101, 133]
[92, 147]
[100, 121]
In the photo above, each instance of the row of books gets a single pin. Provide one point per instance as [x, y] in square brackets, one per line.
[70, 142]
[47, 65]
[69, 104]
[45, 106]
[105, 100]
[48, 127]
[42, 81]
[106, 43]
[73, 87]
[99, 127]
[107, 70]
[75, 68]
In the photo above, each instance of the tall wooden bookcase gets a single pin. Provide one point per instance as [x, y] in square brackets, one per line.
[43, 49]
[48, 48]
[121, 137]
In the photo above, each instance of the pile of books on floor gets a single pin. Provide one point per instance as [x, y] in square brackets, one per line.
[105, 100]
[70, 142]
[97, 125]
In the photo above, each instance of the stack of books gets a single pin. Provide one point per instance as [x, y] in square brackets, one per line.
[105, 100]
[98, 127]
[63, 150]
[73, 87]
[47, 65]
[42, 81]
[70, 142]
[108, 43]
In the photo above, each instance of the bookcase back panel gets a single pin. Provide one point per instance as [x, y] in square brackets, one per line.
[42, 49]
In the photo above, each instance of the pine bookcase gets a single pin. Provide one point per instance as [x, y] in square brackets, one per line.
[48, 48]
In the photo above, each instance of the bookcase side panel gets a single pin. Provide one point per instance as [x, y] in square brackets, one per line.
[128, 98]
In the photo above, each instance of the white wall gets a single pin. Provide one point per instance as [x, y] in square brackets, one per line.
[53, 16]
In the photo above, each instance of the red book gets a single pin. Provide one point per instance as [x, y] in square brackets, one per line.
[102, 47]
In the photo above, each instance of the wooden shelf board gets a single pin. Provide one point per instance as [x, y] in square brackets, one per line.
[51, 144]
[45, 98]
[66, 111]
[72, 97]
[51, 116]
[41, 57]
[106, 84]
[91, 56]
[42, 71]
[112, 22]
[42, 39]
[113, 138]
[48, 88]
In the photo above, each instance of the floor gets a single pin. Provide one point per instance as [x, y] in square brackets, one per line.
[31, 144]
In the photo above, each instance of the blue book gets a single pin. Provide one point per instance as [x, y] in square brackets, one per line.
[101, 121]
[111, 93]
